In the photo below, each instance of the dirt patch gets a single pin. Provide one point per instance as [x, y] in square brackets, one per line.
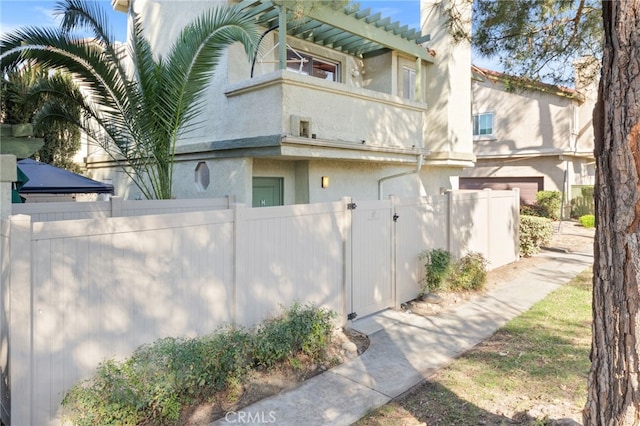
[263, 384]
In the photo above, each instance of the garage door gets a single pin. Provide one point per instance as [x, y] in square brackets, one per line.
[528, 185]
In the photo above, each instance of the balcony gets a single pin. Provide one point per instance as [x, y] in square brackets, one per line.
[319, 118]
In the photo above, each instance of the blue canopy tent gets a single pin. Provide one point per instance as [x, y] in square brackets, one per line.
[47, 179]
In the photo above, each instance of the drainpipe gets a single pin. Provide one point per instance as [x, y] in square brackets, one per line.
[410, 172]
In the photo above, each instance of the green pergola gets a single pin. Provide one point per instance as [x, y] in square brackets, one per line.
[349, 30]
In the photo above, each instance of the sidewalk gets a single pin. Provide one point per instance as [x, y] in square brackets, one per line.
[405, 349]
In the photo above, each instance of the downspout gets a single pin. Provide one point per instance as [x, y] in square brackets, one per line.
[410, 172]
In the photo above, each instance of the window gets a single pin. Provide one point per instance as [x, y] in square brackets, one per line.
[310, 65]
[408, 83]
[575, 119]
[202, 178]
[483, 124]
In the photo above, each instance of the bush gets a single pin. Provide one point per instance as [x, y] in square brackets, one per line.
[436, 269]
[158, 379]
[534, 233]
[469, 273]
[588, 220]
[442, 271]
[304, 329]
[549, 203]
[153, 385]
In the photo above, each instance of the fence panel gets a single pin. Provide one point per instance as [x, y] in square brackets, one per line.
[469, 221]
[5, 313]
[504, 222]
[421, 225]
[371, 257]
[44, 212]
[147, 207]
[101, 287]
[116, 207]
[291, 253]
[104, 287]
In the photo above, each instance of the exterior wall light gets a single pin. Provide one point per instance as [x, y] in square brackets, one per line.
[324, 182]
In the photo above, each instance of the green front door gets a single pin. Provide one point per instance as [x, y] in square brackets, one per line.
[268, 191]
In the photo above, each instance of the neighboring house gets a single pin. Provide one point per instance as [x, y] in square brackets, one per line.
[355, 105]
[536, 138]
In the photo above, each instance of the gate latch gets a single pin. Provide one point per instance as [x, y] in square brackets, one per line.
[395, 217]
[352, 316]
[352, 206]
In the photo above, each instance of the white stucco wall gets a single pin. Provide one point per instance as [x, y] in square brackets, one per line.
[447, 82]
[523, 120]
[343, 112]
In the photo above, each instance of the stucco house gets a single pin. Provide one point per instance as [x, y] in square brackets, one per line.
[340, 102]
[537, 137]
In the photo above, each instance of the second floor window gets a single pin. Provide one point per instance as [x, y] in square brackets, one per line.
[483, 124]
[409, 83]
[313, 66]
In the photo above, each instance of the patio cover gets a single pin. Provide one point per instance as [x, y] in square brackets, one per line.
[47, 179]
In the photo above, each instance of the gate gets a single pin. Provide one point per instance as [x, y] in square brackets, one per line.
[371, 257]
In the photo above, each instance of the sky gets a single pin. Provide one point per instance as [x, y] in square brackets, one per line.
[18, 13]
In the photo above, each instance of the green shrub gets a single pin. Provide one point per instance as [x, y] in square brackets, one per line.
[437, 265]
[157, 380]
[534, 233]
[532, 210]
[588, 220]
[469, 273]
[306, 329]
[549, 203]
[443, 271]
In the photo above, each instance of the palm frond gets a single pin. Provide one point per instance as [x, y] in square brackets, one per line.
[196, 54]
[88, 15]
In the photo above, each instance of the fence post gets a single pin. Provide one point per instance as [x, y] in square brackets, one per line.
[489, 222]
[20, 290]
[116, 206]
[516, 222]
[449, 194]
[394, 241]
[347, 289]
[8, 175]
[240, 248]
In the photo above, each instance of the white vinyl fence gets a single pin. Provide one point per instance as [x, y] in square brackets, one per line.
[75, 292]
[116, 207]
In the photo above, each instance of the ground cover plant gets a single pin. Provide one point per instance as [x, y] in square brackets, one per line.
[159, 380]
[442, 271]
[532, 371]
[534, 232]
[588, 220]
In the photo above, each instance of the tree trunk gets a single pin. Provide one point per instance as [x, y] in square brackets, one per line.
[614, 379]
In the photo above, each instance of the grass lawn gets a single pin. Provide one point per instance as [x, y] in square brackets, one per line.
[532, 371]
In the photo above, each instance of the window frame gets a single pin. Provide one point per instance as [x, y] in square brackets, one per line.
[308, 67]
[479, 133]
[410, 85]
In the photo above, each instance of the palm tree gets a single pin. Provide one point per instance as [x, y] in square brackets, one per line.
[21, 99]
[135, 106]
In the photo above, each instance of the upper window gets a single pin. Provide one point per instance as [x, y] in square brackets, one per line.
[483, 124]
[408, 83]
[311, 65]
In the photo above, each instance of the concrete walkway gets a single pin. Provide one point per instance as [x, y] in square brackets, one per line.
[405, 349]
